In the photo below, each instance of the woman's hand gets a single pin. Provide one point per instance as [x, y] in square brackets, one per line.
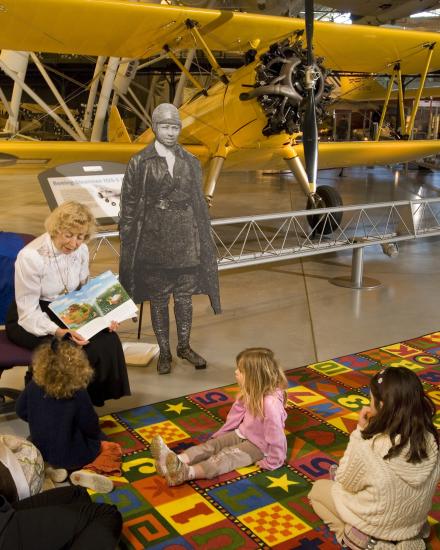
[77, 338]
[364, 417]
[114, 325]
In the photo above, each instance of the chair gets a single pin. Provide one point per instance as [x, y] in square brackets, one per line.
[11, 355]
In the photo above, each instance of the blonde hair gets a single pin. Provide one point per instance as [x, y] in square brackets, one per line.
[61, 368]
[262, 376]
[70, 216]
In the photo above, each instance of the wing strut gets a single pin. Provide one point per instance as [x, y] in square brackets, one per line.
[396, 70]
[401, 99]
[410, 126]
[184, 70]
[192, 26]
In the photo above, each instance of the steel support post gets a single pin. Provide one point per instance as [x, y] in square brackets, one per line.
[5, 103]
[141, 108]
[17, 63]
[104, 98]
[356, 281]
[87, 120]
[38, 100]
[59, 98]
[135, 110]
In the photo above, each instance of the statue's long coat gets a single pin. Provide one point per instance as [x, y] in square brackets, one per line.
[155, 238]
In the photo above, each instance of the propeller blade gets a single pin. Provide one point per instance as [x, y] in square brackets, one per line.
[310, 19]
[310, 138]
[310, 125]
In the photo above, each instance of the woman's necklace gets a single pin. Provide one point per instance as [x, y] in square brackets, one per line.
[65, 284]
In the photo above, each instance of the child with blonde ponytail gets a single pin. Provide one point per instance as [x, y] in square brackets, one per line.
[252, 434]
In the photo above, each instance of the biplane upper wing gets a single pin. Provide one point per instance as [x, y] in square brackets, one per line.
[360, 89]
[124, 28]
[128, 29]
[377, 12]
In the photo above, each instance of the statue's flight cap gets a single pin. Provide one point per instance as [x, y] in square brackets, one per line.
[166, 113]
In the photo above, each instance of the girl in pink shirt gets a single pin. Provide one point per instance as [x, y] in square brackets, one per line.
[253, 431]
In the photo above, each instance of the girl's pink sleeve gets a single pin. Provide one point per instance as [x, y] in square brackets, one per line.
[274, 436]
[233, 420]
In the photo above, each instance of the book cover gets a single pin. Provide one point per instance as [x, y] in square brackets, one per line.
[92, 308]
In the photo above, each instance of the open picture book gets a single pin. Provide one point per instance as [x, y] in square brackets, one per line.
[92, 308]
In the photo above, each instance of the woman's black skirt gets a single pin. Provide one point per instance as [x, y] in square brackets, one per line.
[104, 352]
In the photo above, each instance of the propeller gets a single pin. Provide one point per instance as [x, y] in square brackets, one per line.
[323, 196]
[310, 125]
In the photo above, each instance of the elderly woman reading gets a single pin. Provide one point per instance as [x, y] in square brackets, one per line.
[53, 264]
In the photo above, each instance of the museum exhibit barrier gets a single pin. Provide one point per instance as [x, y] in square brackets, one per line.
[253, 240]
[247, 241]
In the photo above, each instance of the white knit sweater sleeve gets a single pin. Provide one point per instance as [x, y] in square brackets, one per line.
[351, 473]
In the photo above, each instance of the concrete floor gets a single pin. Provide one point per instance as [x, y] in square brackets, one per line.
[290, 307]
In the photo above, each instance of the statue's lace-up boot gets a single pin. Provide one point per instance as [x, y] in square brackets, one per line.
[183, 314]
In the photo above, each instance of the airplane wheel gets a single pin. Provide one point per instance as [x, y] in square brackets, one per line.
[325, 197]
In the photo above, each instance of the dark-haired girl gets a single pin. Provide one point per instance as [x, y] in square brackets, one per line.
[386, 479]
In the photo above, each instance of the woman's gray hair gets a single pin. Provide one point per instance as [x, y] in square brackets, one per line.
[70, 216]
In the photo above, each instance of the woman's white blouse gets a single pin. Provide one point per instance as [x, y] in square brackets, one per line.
[41, 271]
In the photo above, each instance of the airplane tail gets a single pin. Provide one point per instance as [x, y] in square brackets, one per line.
[117, 131]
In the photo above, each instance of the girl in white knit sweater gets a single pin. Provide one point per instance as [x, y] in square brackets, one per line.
[385, 481]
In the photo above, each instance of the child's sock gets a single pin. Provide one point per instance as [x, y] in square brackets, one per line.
[48, 484]
[57, 475]
[160, 450]
[92, 480]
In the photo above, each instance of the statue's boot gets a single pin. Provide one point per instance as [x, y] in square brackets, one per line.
[161, 326]
[183, 314]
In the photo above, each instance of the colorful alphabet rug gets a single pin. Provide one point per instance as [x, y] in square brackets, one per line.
[251, 508]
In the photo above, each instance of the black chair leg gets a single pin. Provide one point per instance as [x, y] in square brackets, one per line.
[8, 397]
[28, 376]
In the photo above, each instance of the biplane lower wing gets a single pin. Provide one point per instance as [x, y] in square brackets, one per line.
[24, 154]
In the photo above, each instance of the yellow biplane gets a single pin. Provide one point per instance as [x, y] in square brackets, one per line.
[378, 12]
[249, 119]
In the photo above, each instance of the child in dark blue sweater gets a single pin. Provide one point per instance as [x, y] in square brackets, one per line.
[62, 421]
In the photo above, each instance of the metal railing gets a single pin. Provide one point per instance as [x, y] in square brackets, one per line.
[254, 240]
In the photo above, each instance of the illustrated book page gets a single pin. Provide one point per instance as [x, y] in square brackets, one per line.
[92, 308]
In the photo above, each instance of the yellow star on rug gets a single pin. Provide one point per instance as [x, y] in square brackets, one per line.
[177, 408]
[281, 482]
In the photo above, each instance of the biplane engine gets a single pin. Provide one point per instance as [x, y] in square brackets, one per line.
[281, 89]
